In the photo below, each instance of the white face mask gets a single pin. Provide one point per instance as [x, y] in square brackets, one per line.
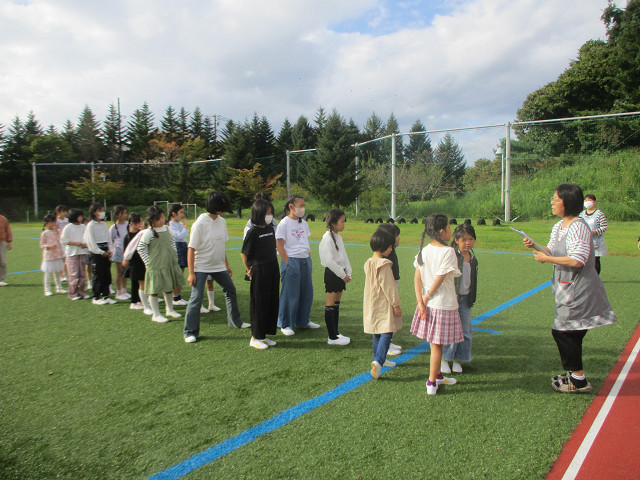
[298, 212]
[101, 215]
[268, 219]
[589, 204]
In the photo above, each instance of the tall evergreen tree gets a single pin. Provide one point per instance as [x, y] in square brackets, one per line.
[140, 130]
[391, 128]
[169, 123]
[419, 147]
[113, 135]
[196, 126]
[15, 164]
[320, 120]
[183, 125]
[373, 152]
[449, 155]
[285, 137]
[88, 142]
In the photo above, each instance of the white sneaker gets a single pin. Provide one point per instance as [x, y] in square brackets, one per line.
[288, 331]
[173, 314]
[245, 325]
[444, 367]
[389, 363]
[259, 344]
[312, 325]
[61, 291]
[446, 381]
[136, 306]
[375, 369]
[147, 311]
[100, 301]
[111, 292]
[110, 301]
[86, 297]
[48, 294]
[159, 319]
[182, 302]
[457, 368]
[395, 347]
[203, 310]
[76, 298]
[190, 339]
[122, 297]
[339, 341]
[127, 295]
[269, 342]
[393, 352]
[432, 389]
[213, 308]
[3, 284]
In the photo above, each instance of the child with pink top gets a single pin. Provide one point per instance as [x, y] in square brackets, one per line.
[52, 256]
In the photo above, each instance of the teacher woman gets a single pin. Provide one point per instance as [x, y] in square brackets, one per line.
[581, 301]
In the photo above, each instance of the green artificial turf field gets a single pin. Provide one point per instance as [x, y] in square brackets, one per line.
[101, 392]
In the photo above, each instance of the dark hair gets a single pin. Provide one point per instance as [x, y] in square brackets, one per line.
[153, 214]
[432, 226]
[381, 240]
[117, 211]
[48, 219]
[332, 218]
[217, 202]
[290, 201]
[94, 208]
[74, 215]
[135, 217]
[590, 196]
[392, 228]
[61, 208]
[461, 231]
[259, 210]
[261, 196]
[174, 209]
[572, 198]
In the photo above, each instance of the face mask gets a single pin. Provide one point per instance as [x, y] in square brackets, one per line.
[101, 215]
[268, 219]
[298, 212]
[588, 205]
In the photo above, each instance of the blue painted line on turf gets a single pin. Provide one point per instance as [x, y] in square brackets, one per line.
[210, 455]
[29, 238]
[496, 332]
[26, 271]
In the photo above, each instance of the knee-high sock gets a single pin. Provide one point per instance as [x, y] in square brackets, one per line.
[168, 302]
[47, 282]
[57, 277]
[144, 298]
[337, 315]
[153, 301]
[330, 320]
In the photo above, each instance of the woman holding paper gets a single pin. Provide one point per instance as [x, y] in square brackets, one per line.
[581, 301]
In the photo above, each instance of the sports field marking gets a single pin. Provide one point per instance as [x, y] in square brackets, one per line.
[587, 442]
[210, 455]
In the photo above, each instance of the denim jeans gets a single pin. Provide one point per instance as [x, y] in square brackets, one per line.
[296, 296]
[461, 352]
[192, 317]
[381, 343]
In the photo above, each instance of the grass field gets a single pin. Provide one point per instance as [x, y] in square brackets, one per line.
[90, 392]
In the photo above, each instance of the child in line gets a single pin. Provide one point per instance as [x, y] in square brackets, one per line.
[292, 242]
[211, 297]
[382, 315]
[436, 319]
[87, 268]
[395, 268]
[337, 273]
[98, 241]
[163, 275]
[261, 264]
[52, 256]
[206, 256]
[61, 222]
[118, 231]
[73, 240]
[6, 239]
[464, 238]
[134, 265]
[179, 232]
[259, 196]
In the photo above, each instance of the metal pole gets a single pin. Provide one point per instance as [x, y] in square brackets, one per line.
[288, 173]
[35, 190]
[502, 180]
[93, 183]
[393, 176]
[507, 173]
[358, 197]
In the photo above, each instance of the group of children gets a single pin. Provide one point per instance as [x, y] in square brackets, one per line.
[155, 257]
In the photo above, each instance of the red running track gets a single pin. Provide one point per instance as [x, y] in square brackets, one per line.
[606, 443]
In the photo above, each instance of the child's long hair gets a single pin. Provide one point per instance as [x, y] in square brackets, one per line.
[332, 218]
[290, 201]
[459, 232]
[432, 227]
[174, 209]
[93, 209]
[153, 214]
[117, 211]
[48, 219]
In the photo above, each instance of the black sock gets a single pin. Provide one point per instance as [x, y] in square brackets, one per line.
[177, 298]
[329, 319]
[578, 383]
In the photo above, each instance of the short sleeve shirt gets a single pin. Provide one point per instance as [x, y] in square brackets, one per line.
[260, 245]
[296, 237]
[208, 237]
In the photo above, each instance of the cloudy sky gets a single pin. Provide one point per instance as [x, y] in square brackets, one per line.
[449, 63]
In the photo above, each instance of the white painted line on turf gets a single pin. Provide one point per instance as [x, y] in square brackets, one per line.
[587, 442]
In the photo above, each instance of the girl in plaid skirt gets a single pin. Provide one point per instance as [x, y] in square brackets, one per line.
[436, 319]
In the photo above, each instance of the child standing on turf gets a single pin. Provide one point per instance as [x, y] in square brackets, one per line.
[395, 267]
[98, 241]
[464, 238]
[261, 264]
[6, 238]
[52, 256]
[61, 222]
[163, 275]
[292, 241]
[382, 315]
[436, 319]
[73, 240]
[134, 264]
[179, 232]
[337, 273]
[118, 231]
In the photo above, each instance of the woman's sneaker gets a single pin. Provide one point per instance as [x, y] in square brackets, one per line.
[339, 341]
[442, 380]
[432, 388]
[259, 344]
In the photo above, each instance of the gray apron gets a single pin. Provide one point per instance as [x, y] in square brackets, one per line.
[581, 301]
[598, 240]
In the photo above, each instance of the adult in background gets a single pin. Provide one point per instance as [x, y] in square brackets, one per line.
[598, 224]
[581, 301]
[6, 237]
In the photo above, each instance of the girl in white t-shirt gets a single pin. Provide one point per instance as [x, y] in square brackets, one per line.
[436, 319]
[292, 243]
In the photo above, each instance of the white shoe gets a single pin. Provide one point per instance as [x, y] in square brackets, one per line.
[100, 301]
[61, 291]
[159, 319]
[110, 301]
[86, 297]
[446, 381]
[393, 352]
[259, 344]
[312, 325]
[269, 342]
[48, 294]
[76, 298]
[136, 306]
[127, 295]
[444, 367]
[111, 292]
[457, 368]
[213, 308]
[245, 325]
[395, 347]
[339, 341]
[389, 363]
[3, 284]
[122, 297]
[375, 369]
[173, 314]
[190, 339]
[147, 311]
[203, 310]
[288, 331]
[432, 389]
[181, 302]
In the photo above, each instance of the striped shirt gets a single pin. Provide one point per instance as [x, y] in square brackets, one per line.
[578, 240]
[597, 219]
